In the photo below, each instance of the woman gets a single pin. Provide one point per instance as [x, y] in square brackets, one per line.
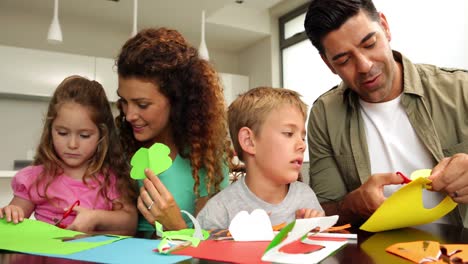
[171, 96]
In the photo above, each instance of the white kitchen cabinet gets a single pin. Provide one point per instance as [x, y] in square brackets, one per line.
[32, 72]
[38, 73]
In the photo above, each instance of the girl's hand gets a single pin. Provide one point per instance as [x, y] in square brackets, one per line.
[156, 203]
[17, 210]
[85, 220]
[308, 213]
[12, 213]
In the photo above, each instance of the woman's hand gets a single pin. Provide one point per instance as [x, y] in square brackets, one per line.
[156, 203]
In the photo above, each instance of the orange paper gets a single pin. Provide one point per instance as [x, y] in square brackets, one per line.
[416, 251]
[430, 252]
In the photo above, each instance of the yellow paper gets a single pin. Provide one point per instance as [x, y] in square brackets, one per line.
[420, 174]
[405, 208]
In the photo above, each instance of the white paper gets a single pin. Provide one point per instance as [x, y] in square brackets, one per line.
[255, 226]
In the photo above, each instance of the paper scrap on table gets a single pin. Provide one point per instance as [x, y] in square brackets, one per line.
[155, 158]
[430, 251]
[378, 242]
[405, 208]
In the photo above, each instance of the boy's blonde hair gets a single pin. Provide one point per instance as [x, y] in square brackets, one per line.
[251, 108]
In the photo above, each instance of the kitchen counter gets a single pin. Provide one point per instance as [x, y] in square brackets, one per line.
[7, 174]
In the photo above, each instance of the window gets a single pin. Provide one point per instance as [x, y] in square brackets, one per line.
[302, 68]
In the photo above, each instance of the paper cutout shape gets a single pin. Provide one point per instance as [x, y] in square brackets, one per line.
[175, 240]
[405, 208]
[31, 236]
[374, 245]
[430, 252]
[297, 247]
[257, 251]
[155, 158]
[457, 251]
[419, 251]
[294, 232]
[255, 226]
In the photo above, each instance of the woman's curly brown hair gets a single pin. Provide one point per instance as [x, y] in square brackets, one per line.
[197, 115]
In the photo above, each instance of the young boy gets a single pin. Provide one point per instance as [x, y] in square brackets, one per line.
[267, 131]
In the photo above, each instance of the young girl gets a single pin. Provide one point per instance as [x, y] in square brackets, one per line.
[80, 159]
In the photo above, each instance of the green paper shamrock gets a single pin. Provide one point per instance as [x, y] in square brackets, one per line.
[156, 158]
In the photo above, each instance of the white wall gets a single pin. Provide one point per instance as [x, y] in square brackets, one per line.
[21, 128]
[255, 62]
[225, 61]
[429, 31]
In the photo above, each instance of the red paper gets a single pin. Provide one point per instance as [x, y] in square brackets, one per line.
[227, 251]
[297, 247]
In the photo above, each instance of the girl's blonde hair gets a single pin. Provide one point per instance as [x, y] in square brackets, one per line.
[251, 108]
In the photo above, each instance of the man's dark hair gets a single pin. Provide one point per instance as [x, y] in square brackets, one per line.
[324, 16]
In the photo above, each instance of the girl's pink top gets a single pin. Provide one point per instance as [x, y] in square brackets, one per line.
[62, 192]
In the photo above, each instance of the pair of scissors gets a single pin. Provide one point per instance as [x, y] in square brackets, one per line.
[405, 179]
[58, 222]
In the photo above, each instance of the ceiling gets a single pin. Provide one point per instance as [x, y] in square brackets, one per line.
[230, 26]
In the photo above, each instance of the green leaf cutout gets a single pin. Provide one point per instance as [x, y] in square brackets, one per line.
[156, 158]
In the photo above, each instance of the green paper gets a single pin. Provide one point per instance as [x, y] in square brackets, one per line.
[31, 236]
[280, 236]
[183, 234]
[155, 158]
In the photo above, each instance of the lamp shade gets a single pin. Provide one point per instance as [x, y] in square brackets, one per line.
[135, 18]
[203, 49]
[55, 32]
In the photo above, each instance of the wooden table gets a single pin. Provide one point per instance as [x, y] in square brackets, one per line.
[369, 249]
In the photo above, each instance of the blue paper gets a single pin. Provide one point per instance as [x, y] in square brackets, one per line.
[129, 250]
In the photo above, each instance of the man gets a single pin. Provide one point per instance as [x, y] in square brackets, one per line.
[387, 115]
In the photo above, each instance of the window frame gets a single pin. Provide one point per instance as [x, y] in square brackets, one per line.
[296, 38]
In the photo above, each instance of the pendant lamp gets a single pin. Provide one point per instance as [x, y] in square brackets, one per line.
[55, 32]
[203, 50]
[135, 18]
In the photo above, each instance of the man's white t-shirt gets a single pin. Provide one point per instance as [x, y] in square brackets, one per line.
[394, 146]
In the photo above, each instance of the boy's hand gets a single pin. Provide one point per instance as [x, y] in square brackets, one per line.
[308, 213]
[12, 213]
